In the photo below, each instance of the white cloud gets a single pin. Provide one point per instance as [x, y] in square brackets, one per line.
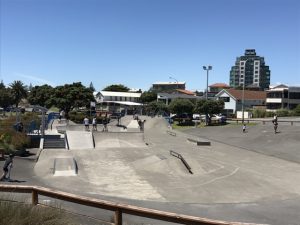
[35, 79]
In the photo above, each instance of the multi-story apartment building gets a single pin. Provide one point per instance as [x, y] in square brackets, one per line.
[282, 96]
[250, 70]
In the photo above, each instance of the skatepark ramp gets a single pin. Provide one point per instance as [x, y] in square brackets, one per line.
[80, 140]
[66, 166]
[118, 139]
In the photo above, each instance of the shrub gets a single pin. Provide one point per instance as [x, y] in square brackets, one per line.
[296, 111]
[282, 112]
[18, 213]
[259, 113]
[10, 139]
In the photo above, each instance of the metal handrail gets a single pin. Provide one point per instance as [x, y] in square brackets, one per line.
[179, 156]
[118, 208]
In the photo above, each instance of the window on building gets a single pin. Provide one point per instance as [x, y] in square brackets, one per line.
[256, 67]
[255, 80]
[225, 99]
[256, 71]
[294, 95]
[242, 63]
[256, 63]
[242, 68]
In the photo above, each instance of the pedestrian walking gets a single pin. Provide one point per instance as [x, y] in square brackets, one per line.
[7, 168]
[94, 122]
[86, 123]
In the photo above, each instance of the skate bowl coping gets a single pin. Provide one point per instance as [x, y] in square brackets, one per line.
[118, 209]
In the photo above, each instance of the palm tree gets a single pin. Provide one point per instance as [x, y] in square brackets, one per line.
[19, 91]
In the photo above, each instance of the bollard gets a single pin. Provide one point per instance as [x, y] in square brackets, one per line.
[292, 123]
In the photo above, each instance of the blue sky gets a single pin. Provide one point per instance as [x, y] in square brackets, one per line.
[139, 42]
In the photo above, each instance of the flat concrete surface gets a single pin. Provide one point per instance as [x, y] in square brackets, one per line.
[241, 177]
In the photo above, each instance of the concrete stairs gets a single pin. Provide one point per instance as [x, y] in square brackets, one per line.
[54, 142]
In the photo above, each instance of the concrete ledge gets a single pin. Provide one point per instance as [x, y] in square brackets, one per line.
[65, 167]
[199, 143]
[171, 133]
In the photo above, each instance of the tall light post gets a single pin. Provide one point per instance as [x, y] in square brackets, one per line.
[243, 93]
[207, 68]
[175, 80]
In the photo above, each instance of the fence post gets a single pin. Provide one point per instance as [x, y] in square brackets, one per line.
[34, 197]
[292, 123]
[118, 217]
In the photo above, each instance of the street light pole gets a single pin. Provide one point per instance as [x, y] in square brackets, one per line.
[175, 80]
[243, 93]
[207, 69]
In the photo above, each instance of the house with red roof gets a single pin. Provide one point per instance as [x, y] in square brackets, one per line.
[233, 99]
[217, 87]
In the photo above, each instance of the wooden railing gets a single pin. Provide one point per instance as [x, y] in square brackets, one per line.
[118, 208]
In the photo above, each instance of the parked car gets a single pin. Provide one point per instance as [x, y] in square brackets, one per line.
[182, 116]
[219, 118]
[198, 117]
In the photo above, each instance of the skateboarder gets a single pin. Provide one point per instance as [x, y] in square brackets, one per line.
[244, 128]
[275, 127]
[7, 167]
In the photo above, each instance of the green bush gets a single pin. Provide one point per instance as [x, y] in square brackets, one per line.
[282, 112]
[10, 139]
[259, 113]
[14, 213]
[296, 111]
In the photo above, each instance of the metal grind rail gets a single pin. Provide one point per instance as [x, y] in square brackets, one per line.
[179, 156]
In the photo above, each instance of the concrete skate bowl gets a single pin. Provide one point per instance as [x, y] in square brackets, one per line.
[119, 139]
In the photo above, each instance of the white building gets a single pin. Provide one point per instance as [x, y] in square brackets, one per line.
[282, 96]
[117, 101]
[233, 99]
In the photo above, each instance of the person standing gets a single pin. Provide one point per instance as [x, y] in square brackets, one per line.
[94, 122]
[7, 167]
[86, 123]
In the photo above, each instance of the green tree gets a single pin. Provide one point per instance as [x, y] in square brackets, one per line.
[155, 107]
[18, 90]
[116, 88]
[209, 107]
[72, 96]
[92, 87]
[41, 95]
[180, 106]
[6, 97]
[148, 96]
[2, 86]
